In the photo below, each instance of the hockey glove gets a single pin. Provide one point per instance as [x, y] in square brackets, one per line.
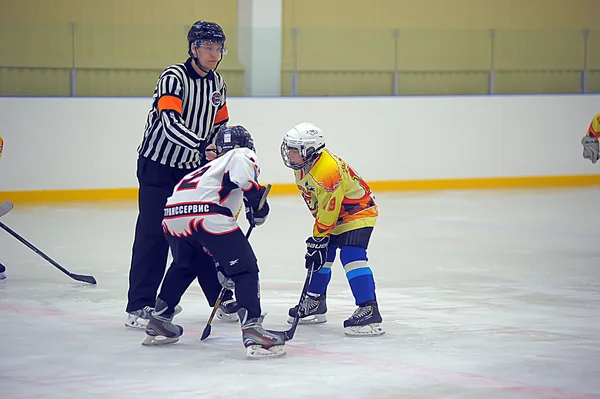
[255, 216]
[316, 252]
[590, 148]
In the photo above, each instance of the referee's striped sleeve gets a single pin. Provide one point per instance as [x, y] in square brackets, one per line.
[170, 110]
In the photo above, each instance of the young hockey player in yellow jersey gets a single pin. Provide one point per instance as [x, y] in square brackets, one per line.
[345, 213]
[590, 140]
[2, 268]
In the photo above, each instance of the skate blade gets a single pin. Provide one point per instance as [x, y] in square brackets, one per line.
[370, 330]
[255, 352]
[314, 319]
[152, 340]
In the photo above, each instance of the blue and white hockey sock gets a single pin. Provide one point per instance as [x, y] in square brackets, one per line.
[358, 273]
[320, 280]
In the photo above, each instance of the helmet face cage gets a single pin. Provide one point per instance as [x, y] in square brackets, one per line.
[285, 150]
[307, 150]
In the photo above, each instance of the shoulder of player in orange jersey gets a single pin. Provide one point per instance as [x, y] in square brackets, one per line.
[594, 130]
[326, 172]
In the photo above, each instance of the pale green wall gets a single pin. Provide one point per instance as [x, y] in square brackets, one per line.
[338, 47]
[118, 47]
[442, 46]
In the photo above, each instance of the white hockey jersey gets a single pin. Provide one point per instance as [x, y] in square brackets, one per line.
[210, 197]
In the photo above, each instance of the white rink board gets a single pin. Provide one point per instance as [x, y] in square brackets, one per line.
[90, 143]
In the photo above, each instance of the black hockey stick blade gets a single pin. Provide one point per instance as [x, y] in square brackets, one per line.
[78, 277]
[83, 278]
[289, 333]
[206, 331]
[208, 328]
[5, 207]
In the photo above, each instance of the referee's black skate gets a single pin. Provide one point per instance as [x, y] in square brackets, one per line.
[139, 319]
[365, 321]
[312, 310]
[160, 329]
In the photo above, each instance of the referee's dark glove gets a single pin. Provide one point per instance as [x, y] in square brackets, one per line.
[202, 147]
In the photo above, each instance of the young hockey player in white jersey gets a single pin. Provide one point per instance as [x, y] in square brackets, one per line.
[201, 215]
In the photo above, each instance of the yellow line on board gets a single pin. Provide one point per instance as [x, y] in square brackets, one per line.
[286, 189]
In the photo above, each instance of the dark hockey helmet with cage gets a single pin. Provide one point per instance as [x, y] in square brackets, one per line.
[202, 31]
[232, 137]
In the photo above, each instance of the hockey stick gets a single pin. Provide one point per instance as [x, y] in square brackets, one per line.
[5, 207]
[207, 329]
[78, 277]
[289, 333]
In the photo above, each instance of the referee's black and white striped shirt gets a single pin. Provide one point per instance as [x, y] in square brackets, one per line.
[187, 110]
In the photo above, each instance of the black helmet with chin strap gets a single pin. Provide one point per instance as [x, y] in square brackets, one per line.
[202, 31]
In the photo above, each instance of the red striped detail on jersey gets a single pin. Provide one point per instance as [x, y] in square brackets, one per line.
[322, 229]
[191, 182]
[199, 225]
[194, 225]
[365, 198]
[254, 186]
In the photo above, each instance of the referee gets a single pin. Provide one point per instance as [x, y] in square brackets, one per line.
[188, 109]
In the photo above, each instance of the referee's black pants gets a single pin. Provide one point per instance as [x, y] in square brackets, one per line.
[150, 247]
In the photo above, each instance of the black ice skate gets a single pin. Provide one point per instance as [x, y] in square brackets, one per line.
[260, 343]
[2, 270]
[365, 321]
[160, 329]
[312, 310]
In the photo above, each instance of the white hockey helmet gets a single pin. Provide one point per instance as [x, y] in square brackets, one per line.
[307, 142]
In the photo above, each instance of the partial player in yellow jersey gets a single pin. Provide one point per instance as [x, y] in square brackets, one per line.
[590, 140]
[345, 213]
[2, 268]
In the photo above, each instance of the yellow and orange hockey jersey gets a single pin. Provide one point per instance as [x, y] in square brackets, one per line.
[338, 198]
[594, 130]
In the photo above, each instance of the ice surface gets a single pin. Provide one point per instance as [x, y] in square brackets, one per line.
[484, 294]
